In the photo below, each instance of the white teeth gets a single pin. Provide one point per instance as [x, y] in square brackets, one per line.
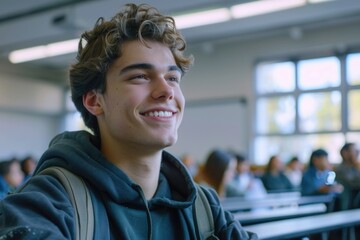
[159, 114]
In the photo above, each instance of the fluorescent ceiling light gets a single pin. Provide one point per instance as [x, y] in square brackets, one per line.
[44, 51]
[202, 18]
[182, 21]
[319, 1]
[263, 6]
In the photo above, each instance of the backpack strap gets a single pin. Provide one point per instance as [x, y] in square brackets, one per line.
[80, 198]
[204, 217]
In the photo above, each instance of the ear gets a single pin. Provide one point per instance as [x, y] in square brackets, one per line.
[91, 102]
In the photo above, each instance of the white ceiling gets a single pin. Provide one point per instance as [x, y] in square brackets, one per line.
[25, 23]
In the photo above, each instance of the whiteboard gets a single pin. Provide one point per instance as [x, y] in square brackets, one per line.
[220, 123]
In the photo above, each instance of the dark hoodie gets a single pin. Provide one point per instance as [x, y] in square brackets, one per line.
[42, 210]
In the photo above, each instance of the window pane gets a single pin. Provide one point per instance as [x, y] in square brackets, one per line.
[319, 73]
[353, 137]
[320, 111]
[284, 146]
[297, 145]
[276, 115]
[354, 109]
[353, 69]
[275, 77]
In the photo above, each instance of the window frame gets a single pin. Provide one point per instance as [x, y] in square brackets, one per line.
[344, 88]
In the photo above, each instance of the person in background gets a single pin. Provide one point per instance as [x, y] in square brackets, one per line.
[244, 183]
[294, 172]
[348, 171]
[28, 165]
[348, 174]
[190, 164]
[319, 177]
[11, 177]
[274, 178]
[217, 172]
[126, 85]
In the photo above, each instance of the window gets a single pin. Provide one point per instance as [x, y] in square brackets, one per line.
[319, 73]
[276, 77]
[320, 111]
[353, 69]
[306, 104]
[354, 109]
[276, 114]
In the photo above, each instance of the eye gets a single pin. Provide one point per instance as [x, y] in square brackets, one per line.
[139, 78]
[174, 79]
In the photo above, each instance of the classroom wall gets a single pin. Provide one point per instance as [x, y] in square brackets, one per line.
[222, 69]
[30, 113]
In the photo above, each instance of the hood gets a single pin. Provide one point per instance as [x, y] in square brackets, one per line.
[79, 153]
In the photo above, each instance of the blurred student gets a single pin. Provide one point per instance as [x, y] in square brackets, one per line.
[294, 172]
[319, 177]
[11, 177]
[244, 183]
[28, 165]
[348, 171]
[348, 174]
[274, 178]
[217, 171]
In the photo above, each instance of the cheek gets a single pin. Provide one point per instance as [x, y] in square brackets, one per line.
[180, 98]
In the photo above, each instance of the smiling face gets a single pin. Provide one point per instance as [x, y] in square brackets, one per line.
[143, 104]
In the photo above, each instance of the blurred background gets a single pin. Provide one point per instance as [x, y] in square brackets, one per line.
[270, 77]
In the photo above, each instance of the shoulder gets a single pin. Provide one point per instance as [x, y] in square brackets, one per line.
[40, 207]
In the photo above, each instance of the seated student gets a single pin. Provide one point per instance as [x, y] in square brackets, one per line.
[294, 172]
[319, 178]
[28, 165]
[217, 171]
[348, 172]
[11, 177]
[244, 183]
[274, 178]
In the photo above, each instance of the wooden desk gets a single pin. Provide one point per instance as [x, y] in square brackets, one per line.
[267, 215]
[304, 226]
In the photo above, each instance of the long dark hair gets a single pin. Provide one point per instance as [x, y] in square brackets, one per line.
[315, 154]
[215, 167]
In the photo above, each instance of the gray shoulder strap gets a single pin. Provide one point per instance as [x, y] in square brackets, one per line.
[80, 198]
[204, 217]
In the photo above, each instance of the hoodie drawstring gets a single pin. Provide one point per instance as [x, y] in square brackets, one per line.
[148, 215]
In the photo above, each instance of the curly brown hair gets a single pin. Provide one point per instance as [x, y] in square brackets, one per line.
[101, 46]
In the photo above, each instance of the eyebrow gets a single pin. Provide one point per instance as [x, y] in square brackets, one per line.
[147, 66]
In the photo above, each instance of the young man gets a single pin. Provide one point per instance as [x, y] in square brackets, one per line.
[126, 86]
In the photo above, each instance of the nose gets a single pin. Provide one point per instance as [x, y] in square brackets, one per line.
[162, 90]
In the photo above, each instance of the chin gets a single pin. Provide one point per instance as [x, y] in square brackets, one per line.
[170, 141]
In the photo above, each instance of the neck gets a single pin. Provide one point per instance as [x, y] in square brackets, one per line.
[140, 166]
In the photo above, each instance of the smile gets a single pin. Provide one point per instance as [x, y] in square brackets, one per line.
[159, 114]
